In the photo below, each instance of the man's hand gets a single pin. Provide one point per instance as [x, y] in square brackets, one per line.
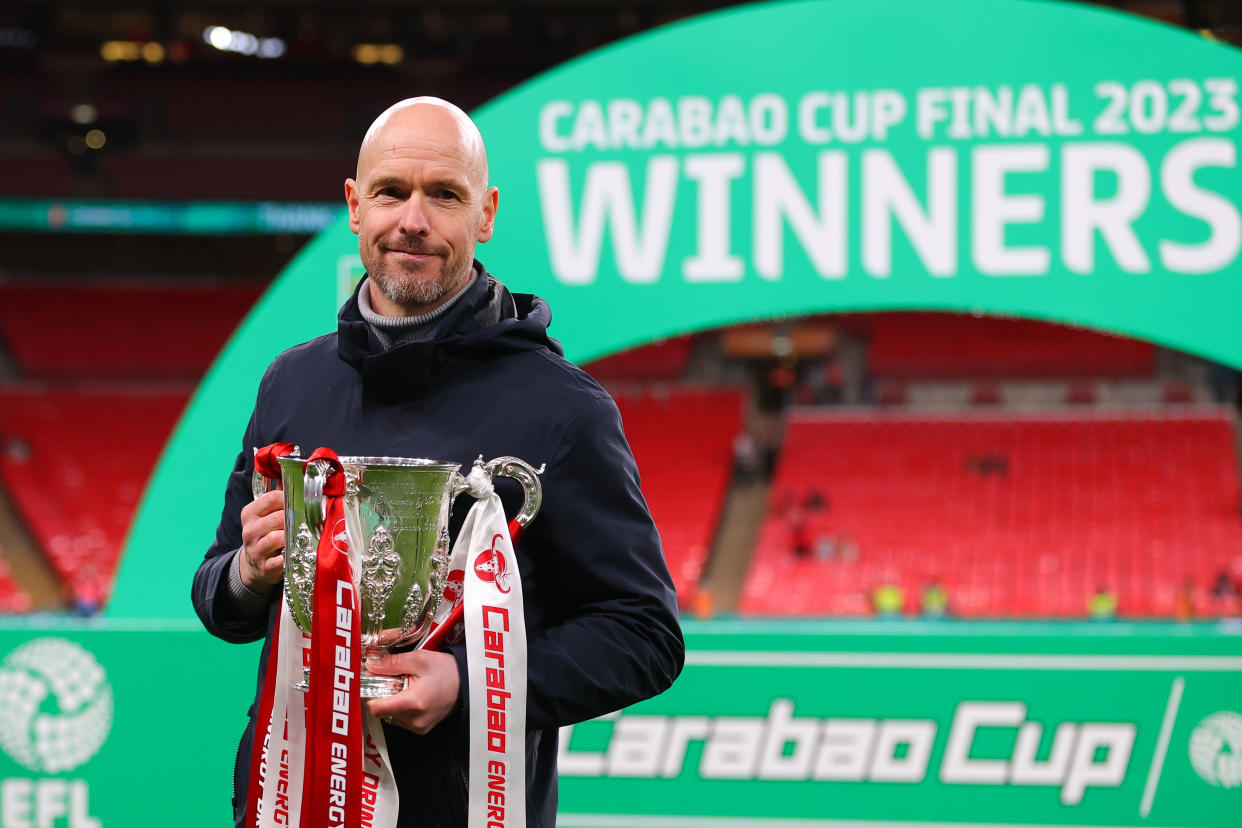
[262, 560]
[430, 694]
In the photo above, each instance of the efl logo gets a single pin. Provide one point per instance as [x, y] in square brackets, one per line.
[491, 566]
[1216, 749]
[52, 674]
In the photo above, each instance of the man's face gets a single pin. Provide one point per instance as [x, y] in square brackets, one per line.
[419, 206]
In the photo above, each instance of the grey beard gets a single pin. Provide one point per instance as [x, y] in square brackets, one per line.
[411, 292]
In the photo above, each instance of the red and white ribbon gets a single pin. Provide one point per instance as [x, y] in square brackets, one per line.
[321, 759]
[495, 662]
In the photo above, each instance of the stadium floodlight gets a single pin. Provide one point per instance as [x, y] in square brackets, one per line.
[243, 43]
[83, 113]
[271, 47]
[218, 36]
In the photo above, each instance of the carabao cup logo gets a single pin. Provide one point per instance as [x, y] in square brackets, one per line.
[1216, 749]
[55, 705]
[492, 566]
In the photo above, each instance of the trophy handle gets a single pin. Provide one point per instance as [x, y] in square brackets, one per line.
[260, 482]
[521, 471]
[526, 475]
[312, 492]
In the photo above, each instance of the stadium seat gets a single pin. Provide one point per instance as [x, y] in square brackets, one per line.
[75, 463]
[696, 427]
[1020, 514]
[952, 346]
[117, 331]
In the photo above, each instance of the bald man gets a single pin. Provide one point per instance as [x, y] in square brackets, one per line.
[434, 357]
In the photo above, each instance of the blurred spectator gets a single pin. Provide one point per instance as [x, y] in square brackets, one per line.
[826, 547]
[935, 600]
[1184, 601]
[1102, 605]
[888, 600]
[799, 535]
[987, 464]
[1225, 594]
[703, 605]
[815, 501]
[745, 458]
[17, 450]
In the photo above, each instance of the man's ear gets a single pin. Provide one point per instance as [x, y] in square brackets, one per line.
[351, 200]
[491, 202]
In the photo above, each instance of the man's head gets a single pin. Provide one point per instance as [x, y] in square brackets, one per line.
[419, 204]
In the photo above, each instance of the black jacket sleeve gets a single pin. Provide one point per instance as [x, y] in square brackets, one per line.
[209, 591]
[615, 638]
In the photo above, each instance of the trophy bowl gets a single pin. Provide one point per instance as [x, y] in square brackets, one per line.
[396, 521]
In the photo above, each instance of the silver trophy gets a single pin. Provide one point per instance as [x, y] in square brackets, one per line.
[396, 516]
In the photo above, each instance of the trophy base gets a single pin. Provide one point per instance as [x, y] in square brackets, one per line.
[370, 686]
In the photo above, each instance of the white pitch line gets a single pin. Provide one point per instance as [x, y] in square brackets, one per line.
[963, 661]
[1162, 746]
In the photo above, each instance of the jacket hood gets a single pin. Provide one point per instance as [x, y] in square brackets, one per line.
[487, 322]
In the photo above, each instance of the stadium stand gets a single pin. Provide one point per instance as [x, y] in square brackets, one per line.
[686, 496]
[1015, 514]
[660, 361]
[919, 345]
[305, 177]
[74, 330]
[13, 598]
[75, 462]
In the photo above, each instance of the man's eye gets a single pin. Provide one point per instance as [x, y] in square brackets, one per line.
[389, 192]
[448, 195]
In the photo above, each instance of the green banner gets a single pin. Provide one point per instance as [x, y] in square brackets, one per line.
[196, 218]
[1004, 725]
[789, 725]
[1045, 160]
[120, 724]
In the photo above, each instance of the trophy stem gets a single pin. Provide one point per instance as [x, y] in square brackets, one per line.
[371, 686]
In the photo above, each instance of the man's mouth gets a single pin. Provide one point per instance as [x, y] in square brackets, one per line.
[410, 254]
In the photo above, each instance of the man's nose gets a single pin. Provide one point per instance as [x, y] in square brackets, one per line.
[413, 219]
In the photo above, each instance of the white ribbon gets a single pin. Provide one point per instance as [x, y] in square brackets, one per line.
[495, 662]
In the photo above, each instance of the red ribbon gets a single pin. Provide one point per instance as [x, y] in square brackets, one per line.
[266, 459]
[266, 462]
[332, 790]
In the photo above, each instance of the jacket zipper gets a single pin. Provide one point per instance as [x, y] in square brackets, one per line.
[465, 782]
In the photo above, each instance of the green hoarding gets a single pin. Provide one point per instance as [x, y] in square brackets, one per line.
[772, 725]
[993, 724]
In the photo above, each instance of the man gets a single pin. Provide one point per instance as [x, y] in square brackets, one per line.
[433, 357]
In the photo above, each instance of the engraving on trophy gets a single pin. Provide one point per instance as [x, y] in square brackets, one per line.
[380, 565]
[301, 568]
[386, 509]
[439, 573]
[413, 607]
[351, 487]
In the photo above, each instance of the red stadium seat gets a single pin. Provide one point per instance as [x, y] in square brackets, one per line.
[1016, 514]
[947, 346]
[686, 497]
[75, 463]
[117, 331]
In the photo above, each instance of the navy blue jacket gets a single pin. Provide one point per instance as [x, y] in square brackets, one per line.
[600, 608]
